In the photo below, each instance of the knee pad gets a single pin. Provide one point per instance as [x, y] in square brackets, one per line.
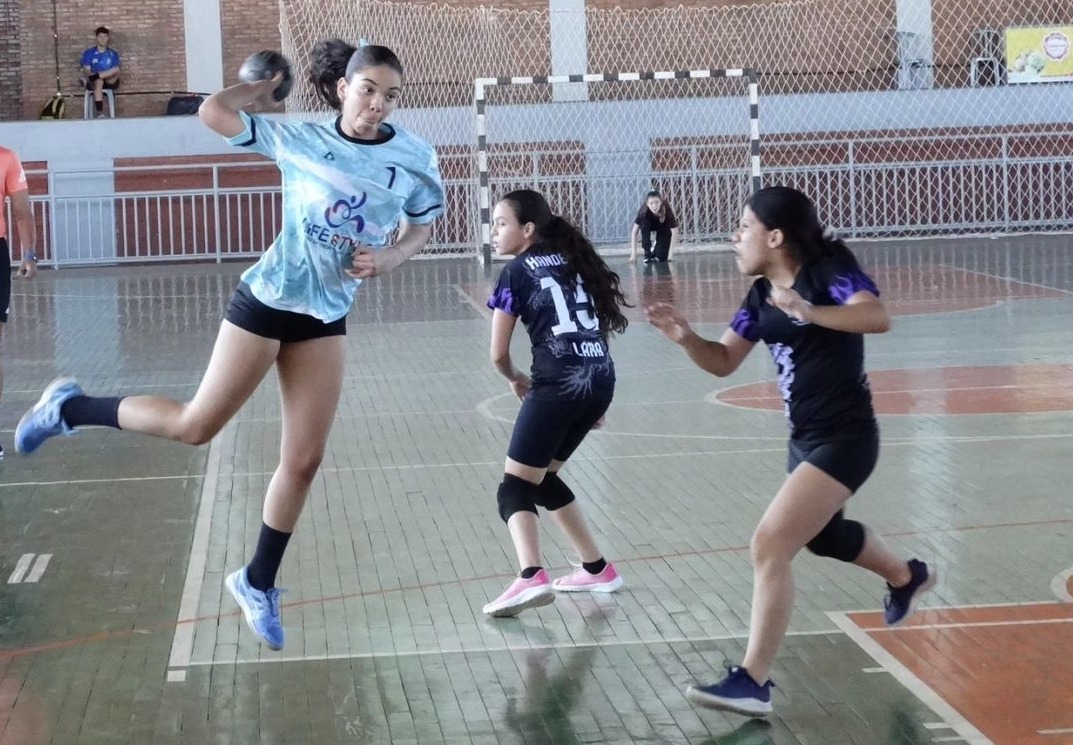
[516, 495]
[553, 494]
[840, 539]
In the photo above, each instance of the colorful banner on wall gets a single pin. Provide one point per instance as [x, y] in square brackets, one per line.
[1039, 54]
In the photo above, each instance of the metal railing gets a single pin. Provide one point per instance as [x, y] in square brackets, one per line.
[189, 212]
[216, 212]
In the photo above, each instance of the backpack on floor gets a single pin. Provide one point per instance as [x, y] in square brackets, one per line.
[184, 105]
[55, 108]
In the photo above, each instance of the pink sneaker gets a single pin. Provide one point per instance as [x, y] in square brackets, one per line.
[581, 581]
[521, 594]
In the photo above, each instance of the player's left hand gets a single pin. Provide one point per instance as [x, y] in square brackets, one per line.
[521, 386]
[368, 262]
[28, 269]
[790, 302]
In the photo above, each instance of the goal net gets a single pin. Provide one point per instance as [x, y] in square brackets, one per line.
[595, 144]
[902, 118]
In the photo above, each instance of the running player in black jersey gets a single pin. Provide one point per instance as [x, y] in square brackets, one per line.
[811, 304]
[569, 302]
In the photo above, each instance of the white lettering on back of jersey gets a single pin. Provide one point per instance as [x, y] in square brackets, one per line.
[588, 349]
[534, 262]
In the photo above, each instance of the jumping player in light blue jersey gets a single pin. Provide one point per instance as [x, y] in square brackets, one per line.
[347, 183]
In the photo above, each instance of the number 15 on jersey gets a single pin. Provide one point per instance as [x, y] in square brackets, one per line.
[569, 318]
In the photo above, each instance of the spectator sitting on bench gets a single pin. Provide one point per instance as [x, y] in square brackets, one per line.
[100, 66]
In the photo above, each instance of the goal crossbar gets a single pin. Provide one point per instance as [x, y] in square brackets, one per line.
[480, 97]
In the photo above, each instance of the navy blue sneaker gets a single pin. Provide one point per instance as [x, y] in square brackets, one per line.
[737, 692]
[902, 601]
[44, 420]
[260, 608]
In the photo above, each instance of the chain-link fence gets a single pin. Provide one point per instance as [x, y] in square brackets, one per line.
[900, 118]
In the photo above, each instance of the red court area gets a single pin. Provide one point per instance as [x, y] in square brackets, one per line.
[1005, 669]
[912, 290]
[924, 288]
[991, 389]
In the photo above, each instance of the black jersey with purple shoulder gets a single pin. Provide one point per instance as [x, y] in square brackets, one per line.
[571, 360]
[820, 371]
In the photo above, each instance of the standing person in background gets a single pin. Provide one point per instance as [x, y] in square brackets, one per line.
[13, 186]
[100, 69]
[569, 302]
[347, 182]
[811, 304]
[654, 216]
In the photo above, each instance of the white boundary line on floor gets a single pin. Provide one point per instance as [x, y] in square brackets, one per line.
[182, 644]
[989, 275]
[907, 678]
[273, 659]
[1060, 585]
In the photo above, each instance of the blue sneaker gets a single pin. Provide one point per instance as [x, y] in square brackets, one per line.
[737, 692]
[902, 601]
[260, 608]
[43, 420]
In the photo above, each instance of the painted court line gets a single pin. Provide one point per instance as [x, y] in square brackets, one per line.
[39, 567]
[889, 442]
[504, 648]
[907, 678]
[1007, 279]
[968, 625]
[182, 644]
[21, 566]
[1060, 585]
[468, 299]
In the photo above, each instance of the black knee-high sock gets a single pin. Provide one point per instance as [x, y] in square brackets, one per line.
[264, 565]
[91, 410]
[99, 104]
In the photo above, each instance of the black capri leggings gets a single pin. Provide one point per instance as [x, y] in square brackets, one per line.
[552, 430]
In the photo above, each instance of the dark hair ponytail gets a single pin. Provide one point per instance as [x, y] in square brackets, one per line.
[330, 58]
[792, 212]
[333, 59]
[601, 284]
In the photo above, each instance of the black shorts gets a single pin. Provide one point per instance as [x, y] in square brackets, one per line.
[848, 460]
[249, 313]
[5, 278]
[552, 430]
[109, 84]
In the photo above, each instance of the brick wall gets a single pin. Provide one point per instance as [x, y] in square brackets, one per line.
[820, 45]
[11, 70]
[247, 26]
[148, 34]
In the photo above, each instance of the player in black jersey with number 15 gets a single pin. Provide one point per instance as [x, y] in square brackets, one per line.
[569, 302]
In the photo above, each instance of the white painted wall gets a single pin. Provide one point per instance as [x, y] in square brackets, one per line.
[204, 46]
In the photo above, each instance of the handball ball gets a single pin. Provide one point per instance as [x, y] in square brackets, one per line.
[264, 66]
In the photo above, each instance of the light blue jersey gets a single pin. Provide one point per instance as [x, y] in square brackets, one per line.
[338, 193]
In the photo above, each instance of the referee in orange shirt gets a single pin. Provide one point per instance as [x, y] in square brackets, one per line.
[13, 186]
